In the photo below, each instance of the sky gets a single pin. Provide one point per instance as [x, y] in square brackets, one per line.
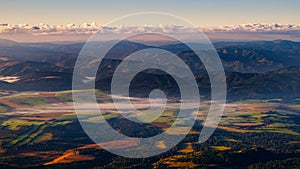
[198, 12]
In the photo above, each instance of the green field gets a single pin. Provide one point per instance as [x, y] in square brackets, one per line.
[31, 100]
[15, 124]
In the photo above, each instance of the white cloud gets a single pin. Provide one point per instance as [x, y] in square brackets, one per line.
[70, 32]
[255, 28]
[89, 28]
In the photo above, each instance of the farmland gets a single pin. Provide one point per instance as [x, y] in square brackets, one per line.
[43, 127]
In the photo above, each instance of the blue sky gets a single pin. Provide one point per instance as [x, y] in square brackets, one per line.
[200, 12]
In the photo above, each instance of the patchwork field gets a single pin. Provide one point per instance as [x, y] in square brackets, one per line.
[43, 127]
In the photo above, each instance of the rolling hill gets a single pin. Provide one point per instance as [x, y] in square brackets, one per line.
[253, 69]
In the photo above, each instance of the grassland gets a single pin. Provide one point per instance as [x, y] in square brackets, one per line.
[175, 162]
[30, 100]
[97, 119]
[65, 96]
[34, 131]
[15, 124]
[221, 148]
[187, 149]
[66, 117]
[258, 116]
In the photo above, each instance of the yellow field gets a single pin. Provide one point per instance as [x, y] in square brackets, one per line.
[188, 149]
[221, 148]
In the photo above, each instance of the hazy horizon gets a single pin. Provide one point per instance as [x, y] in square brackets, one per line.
[202, 13]
[82, 32]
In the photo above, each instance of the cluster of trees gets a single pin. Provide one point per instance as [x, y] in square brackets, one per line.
[292, 163]
[248, 150]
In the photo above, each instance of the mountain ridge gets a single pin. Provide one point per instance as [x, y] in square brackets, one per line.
[250, 67]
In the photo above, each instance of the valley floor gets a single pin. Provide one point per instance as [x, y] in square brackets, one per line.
[41, 130]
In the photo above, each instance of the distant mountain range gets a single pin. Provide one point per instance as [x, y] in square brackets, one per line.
[253, 69]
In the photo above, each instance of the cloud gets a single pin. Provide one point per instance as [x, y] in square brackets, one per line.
[255, 28]
[87, 29]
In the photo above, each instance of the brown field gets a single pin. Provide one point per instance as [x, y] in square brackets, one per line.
[70, 156]
[44, 116]
[118, 144]
[161, 125]
[73, 155]
[256, 107]
[11, 104]
[41, 154]
[36, 118]
[94, 146]
[51, 97]
[2, 150]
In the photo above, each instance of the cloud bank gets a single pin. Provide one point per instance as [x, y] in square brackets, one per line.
[82, 31]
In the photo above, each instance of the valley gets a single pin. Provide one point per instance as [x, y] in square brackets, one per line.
[42, 129]
[259, 128]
